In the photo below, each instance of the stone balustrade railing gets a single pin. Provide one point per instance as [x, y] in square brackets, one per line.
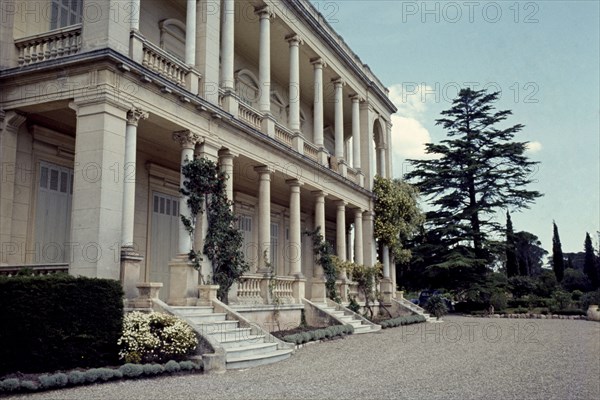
[34, 269]
[49, 45]
[352, 175]
[284, 135]
[311, 151]
[250, 115]
[249, 290]
[283, 290]
[164, 64]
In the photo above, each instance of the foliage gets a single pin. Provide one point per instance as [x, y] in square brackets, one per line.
[155, 337]
[591, 266]
[546, 283]
[353, 305]
[436, 306]
[575, 279]
[48, 323]
[275, 300]
[205, 185]
[498, 300]
[367, 279]
[530, 253]
[558, 261]
[325, 259]
[476, 171]
[512, 267]
[397, 215]
[400, 321]
[319, 334]
[563, 299]
[521, 285]
[589, 298]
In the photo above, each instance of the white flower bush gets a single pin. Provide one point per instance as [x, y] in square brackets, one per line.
[155, 337]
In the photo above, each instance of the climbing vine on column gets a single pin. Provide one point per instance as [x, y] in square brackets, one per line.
[205, 185]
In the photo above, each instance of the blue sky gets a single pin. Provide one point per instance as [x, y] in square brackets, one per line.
[542, 55]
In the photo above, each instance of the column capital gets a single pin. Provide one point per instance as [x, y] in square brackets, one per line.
[367, 215]
[319, 193]
[338, 82]
[11, 120]
[264, 12]
[294, 40]
[356, 98]
[227, 154]
[294, 183]
[341, 204]
[264, 170]
[358, 212]
[318, 62]
[186, 138]
[135, 115]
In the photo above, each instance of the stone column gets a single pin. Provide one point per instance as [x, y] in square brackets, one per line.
[226, 164]
[295, 249]
[136, 51]
[367, 239]
[339, 124]
[227, 32]
[96, 213]
[9, 127]
[318, 293]
[381, 163]
[183, 290]
[264, 216]
[208, 39]
[264, 59]
[294, 89]
[358, 237]
[130, 258]
[318, 105]
[190, 33]
[386, 282]
[135, 15]
[356, 140]
[341, 245]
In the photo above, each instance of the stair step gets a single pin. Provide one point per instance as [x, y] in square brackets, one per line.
[355, 323]
[362, 329]
[192, 311]
[209, 327]
[232, 334]
[242, 342]
[214, 317]
[254, 361]
[251, 350]
[346, 318]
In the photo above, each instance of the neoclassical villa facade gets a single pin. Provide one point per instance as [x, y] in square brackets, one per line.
[102, 101]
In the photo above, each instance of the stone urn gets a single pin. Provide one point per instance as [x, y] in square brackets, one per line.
[593, 312]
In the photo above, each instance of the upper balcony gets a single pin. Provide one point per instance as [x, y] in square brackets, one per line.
[270, 67]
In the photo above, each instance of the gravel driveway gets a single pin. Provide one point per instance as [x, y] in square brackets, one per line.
[461, 358]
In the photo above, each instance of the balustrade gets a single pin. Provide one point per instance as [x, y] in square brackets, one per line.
[49, 46]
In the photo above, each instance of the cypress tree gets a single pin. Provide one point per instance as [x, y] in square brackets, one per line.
[589, 266]
[512, 268]
[558, 260]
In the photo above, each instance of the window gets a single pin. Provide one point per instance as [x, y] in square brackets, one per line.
[65, 13]
[274, 245]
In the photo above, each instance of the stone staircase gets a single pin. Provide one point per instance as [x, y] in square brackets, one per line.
[409, 305]
[245, 347]
[347, 317]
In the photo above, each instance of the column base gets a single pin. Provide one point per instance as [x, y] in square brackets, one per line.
[299, 288]
[361, 178]
[136, 46]
[323, 157]
[268, 125]
[386, 289]
[343, 168]
[183, 289]
[192, 81]
[298, 142]
[130, 271]
[318, 290]
[147, 291]
[231, 103]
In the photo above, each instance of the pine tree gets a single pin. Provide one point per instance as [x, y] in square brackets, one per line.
[589, 266]
[478, 170]
[558, 261]
[512, 268]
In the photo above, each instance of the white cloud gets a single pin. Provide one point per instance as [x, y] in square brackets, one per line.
[408, 133]
[534, 147]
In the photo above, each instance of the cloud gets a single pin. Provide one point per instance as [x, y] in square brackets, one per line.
[534, 147]
[408, 133]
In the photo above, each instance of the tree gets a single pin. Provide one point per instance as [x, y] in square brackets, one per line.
[590, 263]
[512, 268]
[478, 170]
[575, 279]
[529, 252]
[397, 215]
[558, 261]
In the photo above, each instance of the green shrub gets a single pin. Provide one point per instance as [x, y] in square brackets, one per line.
[92, 375]
[9, 385]
[29, 386]
[55, 310]
[107, 374]
[353, 305]
[187, 365]
[53, 381]
[436, 306]
[571, 311]
[172, 366]
[155, 337]
[131, 370]
[76, 378]
[153, 369]
[306, 337]
[406, 320]
[521, 310]
[498, 300]
[588, 299]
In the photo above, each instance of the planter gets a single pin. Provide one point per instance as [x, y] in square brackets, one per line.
[593, 312]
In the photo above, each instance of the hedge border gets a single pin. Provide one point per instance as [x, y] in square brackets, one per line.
[325, 333]
[399, 321]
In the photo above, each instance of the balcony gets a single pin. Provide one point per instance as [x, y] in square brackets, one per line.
[49, 45]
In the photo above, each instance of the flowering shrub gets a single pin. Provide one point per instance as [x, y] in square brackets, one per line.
[155, 337]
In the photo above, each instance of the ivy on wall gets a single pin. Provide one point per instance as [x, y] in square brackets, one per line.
[205, 185]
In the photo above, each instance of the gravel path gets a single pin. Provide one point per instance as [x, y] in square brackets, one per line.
[461, 358]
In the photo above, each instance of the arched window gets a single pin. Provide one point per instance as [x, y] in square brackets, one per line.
[377, 163]
[172, 37]
[246, 86]
[278, 108]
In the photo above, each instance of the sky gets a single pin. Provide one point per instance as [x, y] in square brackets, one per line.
[543, 56]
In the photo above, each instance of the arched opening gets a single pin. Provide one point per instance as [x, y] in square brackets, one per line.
[378, 161]
[172, 37]
[278, 108]
[246, 86]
